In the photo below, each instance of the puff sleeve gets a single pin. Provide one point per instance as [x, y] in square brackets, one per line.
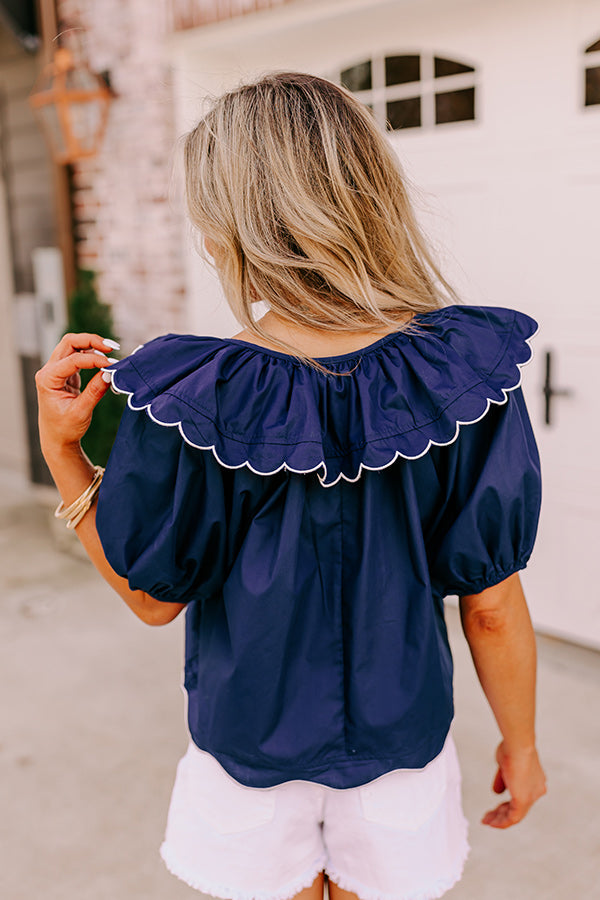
[492, 505]
[161, 515]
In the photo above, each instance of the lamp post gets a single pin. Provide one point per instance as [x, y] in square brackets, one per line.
[71, 104]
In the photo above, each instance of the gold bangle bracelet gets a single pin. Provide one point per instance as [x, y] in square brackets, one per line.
[75, 512]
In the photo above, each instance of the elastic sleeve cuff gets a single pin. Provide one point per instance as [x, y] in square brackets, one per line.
[167, 593]
[490, 579]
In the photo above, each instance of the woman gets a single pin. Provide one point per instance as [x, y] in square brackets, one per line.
[310, 491]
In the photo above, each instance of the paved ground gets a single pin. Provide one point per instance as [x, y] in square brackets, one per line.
[92, 728]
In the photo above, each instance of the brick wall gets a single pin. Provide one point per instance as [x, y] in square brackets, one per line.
[128, 229]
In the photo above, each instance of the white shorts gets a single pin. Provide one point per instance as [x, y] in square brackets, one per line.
[400, 837]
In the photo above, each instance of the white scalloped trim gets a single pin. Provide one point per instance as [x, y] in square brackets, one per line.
[219, 890]
[323, 478]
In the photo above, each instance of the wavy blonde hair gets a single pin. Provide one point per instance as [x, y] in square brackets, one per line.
[292, 181]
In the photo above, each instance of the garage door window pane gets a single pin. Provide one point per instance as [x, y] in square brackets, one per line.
[404, 113]
[402, 69]
[455, 106]
[592, 86]
[442, 67]
[358, 78]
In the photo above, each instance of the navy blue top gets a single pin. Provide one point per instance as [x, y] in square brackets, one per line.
[314, 545]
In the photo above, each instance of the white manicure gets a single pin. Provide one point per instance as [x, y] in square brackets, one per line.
[107, 377]
[112, 344]
[109, 358]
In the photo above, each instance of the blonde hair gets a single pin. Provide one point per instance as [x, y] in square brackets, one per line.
[295, 184]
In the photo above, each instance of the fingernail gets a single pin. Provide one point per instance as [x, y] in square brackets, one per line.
[112, 344]
[100, 352]
[107, 377]
[112, 360]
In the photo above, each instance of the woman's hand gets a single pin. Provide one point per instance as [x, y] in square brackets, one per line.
[498, 629]
[65, 412]
[520, 773]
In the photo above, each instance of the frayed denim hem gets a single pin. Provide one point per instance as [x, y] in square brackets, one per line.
[286, 892]
[432, 892]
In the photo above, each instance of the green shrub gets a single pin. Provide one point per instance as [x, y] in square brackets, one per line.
[87, 313]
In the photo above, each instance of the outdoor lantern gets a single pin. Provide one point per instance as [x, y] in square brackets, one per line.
[71, 104]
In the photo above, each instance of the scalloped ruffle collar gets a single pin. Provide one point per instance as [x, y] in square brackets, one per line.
[268, 411]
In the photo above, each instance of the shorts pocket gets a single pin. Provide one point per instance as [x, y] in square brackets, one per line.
[405, 798]
[223, 804]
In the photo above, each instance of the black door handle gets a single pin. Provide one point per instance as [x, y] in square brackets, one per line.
[549, 391]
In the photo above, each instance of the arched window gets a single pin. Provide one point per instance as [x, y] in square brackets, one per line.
[413, 90]
[592, 74]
